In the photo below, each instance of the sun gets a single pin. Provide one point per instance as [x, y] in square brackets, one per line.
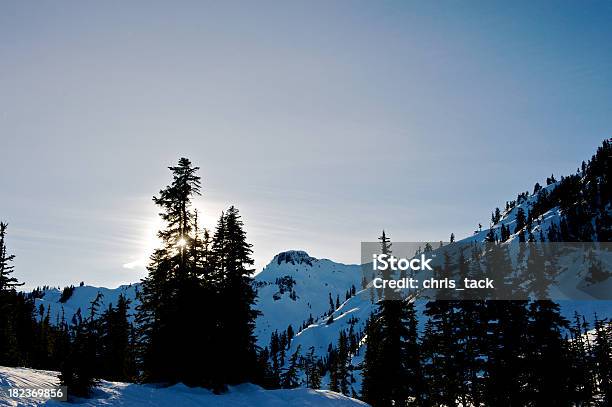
[181, 243]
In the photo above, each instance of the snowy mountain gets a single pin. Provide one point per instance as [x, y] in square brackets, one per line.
[295, 287]
[129, 394]
[320, 298]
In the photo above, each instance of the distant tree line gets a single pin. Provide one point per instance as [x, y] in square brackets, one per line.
[502, 353]
[484, 353]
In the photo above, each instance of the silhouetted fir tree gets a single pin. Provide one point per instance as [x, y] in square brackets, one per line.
[373, 388]
[506, 332]
[391, 366]
[289, 377]
[172, 326]
[237, 297]
[7, 282]
[200, 296]
[340, 368]
[441, 349]
[154, 311]
[548, 361]
[66, 293]
[428, 365]
[80, 367]
[61, 342]
[580, 372]
[506, 343]
[282, 347]
[602, 359]
[44, 339]
[520, 220]
[491, 236]
[537, 188]
[275, 348]
[265, 373]
[117, 354]
[470, 337]
[312, 370]
[17, 323]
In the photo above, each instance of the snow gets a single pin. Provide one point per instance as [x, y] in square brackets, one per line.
[314, 279]
[82, 297]
[129, 394]
[295, 285]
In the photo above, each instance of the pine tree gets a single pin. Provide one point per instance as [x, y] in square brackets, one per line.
[506, 342]
[506, 331]
[171, 324]
[602, 353]
[6, 268]
[580, 373]
[312, 370]
[289, 378]
[341, 365]
[469, 332]
[548, 361]
[391, 366]
[117, 353]
[520, 220]
[80, 367]
[374, 389]
[17, 323]
[440, 353]
[237, 300]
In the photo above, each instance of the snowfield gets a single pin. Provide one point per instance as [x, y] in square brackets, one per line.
[127, 394]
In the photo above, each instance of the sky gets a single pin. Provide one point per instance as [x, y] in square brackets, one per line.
[323, 122]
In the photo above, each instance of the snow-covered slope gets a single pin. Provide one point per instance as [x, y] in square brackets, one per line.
[127, 394]
[296, 286]
[81, 298]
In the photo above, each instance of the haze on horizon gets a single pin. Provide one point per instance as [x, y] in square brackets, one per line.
[323, 122]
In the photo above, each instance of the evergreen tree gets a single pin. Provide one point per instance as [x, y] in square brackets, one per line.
[117, 353]
[580, 373]
[312, 370]
[520, 220]
[289, 378]
[17, 324]
[341, 365]
[506, 342]
[440, 353]
[547, 358]
[237, 297]
[6, 267]
[391, 366]
[602, 355]
[174, 331]
[80, 367]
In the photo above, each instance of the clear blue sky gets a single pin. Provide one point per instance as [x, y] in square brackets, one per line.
[323, 122]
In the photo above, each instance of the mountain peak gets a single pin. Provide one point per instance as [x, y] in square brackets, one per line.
[293, 257]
